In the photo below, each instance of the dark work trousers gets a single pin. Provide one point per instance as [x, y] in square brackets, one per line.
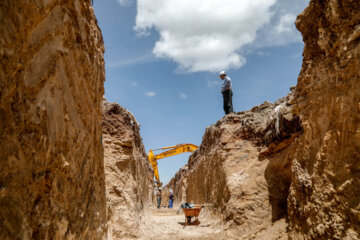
[158, 202]
[228, 106]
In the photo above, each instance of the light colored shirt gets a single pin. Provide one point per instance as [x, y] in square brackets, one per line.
[226, 84]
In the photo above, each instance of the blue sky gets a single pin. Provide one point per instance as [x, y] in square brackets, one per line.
[157, 68]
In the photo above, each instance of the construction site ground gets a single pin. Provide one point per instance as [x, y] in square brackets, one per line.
[164, 223]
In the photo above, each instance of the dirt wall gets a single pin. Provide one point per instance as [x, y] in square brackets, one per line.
[242, 167]
[128, 176]
[178, 184]
[324, 201]
[51, 86]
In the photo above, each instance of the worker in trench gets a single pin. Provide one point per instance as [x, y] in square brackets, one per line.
[171, 199]
[158, 197]
[226, 90]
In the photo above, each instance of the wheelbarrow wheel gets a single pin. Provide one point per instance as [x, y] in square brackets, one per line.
[188, 220]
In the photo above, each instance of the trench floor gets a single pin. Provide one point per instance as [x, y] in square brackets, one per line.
[165, 223]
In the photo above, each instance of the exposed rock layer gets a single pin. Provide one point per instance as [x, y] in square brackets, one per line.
[51, 86]
[324, 201]
[128, 177]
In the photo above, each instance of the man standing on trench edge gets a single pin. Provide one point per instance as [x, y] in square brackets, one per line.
[226, 90]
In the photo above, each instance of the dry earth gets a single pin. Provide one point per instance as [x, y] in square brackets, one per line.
[128, 177]
[324, 200]
[52, 181]
[164, 224]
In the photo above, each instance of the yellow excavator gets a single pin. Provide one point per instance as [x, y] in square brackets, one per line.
[171, 151]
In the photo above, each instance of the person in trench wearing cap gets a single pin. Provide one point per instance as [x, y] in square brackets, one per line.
[226, 90]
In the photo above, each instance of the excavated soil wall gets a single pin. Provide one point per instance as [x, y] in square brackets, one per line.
[52, 183]
[324, 201]
[243, 168]
[128, 176]
[178, 184]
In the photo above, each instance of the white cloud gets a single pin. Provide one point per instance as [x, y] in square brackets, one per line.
[182, 96]
[212, 35]
[285, 23]
[206, 35]
[281, 30]
[131, 61]
[124, 2]
[150, 94]
[134, 84]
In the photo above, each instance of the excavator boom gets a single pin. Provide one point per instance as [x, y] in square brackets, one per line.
[171, 151]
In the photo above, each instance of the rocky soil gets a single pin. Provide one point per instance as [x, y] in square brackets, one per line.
[128, 177]
[52, 181]
[324, 200]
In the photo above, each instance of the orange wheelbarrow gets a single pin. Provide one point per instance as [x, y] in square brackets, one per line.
[192, 212]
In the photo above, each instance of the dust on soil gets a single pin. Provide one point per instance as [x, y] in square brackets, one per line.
[165, 223]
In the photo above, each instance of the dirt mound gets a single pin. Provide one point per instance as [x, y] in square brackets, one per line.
[324, 201]
[51, 86]
[128, 177]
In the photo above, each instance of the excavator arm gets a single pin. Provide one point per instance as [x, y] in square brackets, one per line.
[171, 151]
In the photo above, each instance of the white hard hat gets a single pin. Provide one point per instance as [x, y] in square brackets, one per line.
[222, 73]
